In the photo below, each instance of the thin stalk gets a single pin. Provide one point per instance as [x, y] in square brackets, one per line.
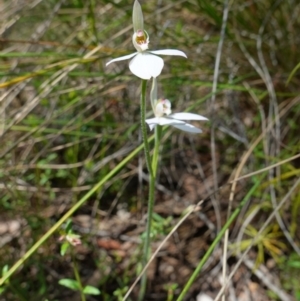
[77, 277]
[144, 127]
[216, 241]
[152, 168]
[151, 189]
[146, 254]
[158, 132]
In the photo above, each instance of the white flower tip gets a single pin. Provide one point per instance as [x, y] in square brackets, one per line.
[136, 6]
[182, 54]
[152, 126]
[152, 122]
[169, 52]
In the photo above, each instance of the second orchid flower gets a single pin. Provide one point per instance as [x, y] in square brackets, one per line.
[163, 116]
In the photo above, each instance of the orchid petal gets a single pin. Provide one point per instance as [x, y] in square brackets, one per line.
[154, 120]
[122, 58]
[169, 52]
[169, 121]
[163, 121]
[146, 65]
[152, 126]
[187, 116]
[187, 128]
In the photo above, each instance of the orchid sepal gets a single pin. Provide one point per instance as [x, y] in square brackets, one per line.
[121, 58]
[188, 128]
[179, 124]
[163, 121]
[137, 17]
[169, 52]
[187, 116]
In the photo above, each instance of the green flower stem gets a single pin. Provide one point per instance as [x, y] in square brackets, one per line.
[215, 242]
[77, 276]
[151, 188]
[144, 127]
[68, 214]
[152, 168]
[155, 159]
[146, 254]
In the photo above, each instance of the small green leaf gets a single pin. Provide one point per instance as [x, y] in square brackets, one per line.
[294, 264]
[64, 248]
[69, 283]
[51, 157]
[292, 73]
[91, 290]
[68, 225]
[4, 270]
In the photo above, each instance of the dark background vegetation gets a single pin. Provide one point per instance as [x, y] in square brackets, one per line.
[67, 120]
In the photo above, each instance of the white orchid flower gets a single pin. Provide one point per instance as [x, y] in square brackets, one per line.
[145, 63]
[162, 107]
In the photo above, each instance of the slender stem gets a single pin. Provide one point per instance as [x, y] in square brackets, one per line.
[158, 131]
[77, 276]
[149, 212]
[152, 167]
[146, 254]
[144, 127]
